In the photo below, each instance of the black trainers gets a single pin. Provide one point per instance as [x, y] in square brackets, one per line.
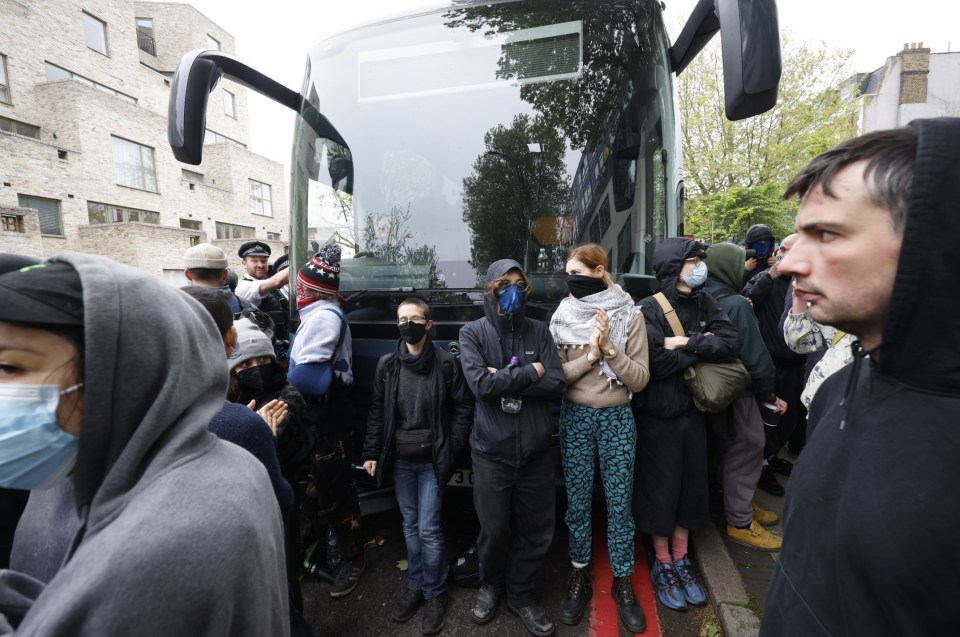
[781, 466]
[485, 604]
[628, 610]
[769, 483]
[578, 595]
[434, 612]
[406, 607]
[534, 619]
[347, 577]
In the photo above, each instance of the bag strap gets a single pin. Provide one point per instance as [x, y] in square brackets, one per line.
[343, 329]
[836, 338]
[670, 314]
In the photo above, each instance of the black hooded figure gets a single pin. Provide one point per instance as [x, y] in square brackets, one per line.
[511, 364]
[670, 490]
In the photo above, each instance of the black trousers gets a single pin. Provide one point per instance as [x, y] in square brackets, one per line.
[336, 495]
[789, 386]
[517, 511]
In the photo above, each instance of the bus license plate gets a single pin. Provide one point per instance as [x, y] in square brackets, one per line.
[461, 478]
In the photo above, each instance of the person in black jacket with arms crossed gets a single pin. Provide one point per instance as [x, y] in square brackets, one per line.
[512, 366]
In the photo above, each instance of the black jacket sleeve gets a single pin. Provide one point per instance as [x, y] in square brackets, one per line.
[758, 287]
[554, 381]
[373, 441]
[753, 352]
[722, 345]
[462, 419]
[663, 362]
[483, 383]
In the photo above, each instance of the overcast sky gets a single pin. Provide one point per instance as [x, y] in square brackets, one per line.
[275, 37]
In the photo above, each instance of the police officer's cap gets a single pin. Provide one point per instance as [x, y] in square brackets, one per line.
[254, 249]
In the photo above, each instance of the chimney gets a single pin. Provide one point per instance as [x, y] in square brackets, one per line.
[914, 69]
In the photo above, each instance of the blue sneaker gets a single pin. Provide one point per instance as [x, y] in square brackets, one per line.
[667, 585]
[692, 591]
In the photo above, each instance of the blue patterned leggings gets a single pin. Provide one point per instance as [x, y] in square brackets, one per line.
[611, 432]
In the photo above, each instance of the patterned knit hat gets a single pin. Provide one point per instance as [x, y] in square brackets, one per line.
[322, 272]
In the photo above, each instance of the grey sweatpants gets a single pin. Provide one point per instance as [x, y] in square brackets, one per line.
[741, 461]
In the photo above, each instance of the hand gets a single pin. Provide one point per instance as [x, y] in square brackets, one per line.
[492, 370]
[774, 270]
[540, 370]
[772, 261]
[781, 406]
[603, 330]
[751, 264]
[370, 466]
[675, 342]
[594, 354]
[274, 412]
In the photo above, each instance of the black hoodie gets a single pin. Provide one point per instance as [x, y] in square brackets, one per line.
[872, 517]
[491, 342]
[666, 395]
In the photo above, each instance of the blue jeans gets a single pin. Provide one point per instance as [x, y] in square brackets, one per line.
[419, 498]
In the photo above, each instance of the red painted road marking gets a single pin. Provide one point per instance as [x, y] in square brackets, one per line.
[603, 610]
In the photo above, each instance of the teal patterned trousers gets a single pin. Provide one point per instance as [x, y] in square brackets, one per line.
[611, 434]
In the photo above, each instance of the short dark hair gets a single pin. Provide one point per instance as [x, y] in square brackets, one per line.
[215, 302]
[890, 156]
[207, 275]
[419, 303]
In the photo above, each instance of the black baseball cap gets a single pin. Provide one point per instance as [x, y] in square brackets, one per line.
[48, 293]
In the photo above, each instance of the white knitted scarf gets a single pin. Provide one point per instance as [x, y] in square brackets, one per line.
[575, 319]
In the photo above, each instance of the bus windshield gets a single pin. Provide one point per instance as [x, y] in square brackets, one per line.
[510, 130]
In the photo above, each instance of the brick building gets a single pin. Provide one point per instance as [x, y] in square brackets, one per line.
[84, 159]
[913, 83]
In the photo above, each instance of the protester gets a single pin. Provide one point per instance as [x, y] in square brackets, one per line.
[598, 325]
[511, 365]
[321, 369]
[419, 420]
[205, 265]
[870, 523]
[165, 508]
[671, 493]
[741, 444]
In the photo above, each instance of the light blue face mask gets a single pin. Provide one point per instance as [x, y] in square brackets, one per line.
[34, 451]
[510, 298]
[697, 277]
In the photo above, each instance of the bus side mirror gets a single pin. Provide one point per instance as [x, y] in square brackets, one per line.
[750, 44]
[197, 75]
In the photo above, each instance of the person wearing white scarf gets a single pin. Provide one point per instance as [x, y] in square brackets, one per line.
[602, 342]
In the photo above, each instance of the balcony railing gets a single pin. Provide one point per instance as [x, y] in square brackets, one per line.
[146, 43]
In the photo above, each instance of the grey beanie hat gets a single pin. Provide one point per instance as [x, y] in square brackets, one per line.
[205, 255]
[251, 343]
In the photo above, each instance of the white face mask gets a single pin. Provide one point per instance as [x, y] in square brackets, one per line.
[697, 277]
[34, 451]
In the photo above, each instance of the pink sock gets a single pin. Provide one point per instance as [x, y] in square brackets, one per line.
[679, 548]
[663, 553]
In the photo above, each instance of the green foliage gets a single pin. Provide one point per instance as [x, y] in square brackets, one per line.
[726, 216]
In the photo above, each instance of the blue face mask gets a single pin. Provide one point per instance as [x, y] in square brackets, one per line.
[698, 277]
[511, 298]
[34, 451]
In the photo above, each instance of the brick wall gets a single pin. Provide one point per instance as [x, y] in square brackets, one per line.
[913, 73]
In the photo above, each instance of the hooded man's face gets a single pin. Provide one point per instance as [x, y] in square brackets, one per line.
[845, 256]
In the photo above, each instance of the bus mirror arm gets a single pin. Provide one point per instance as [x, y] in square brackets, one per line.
[197, 75]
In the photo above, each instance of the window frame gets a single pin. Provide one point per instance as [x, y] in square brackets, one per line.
[11, 219]
[88, 19]
[222, 225]
[15, 125]
[111, 210]
[147, 33]
[229, 99]
[213, 40]
[142, 170]
[59, 212]
[6, 96]
[257, 202]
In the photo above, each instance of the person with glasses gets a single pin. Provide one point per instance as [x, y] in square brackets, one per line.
[418, 423]
[511, 364]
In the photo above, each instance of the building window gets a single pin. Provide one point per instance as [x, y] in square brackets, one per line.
[191, 224]
[4, 82]
[145, 36]
[55, 72]
[19, 128]
[273, 236]
[49, 211]
[134, 164]
[107, 213]
[192, 176]
[95, 33]
[231, 231]
[12, 223]
[213, 137]
[260, 203]
[213, 43]
[228, 104]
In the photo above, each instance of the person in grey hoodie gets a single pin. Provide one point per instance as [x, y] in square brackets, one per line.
[121, 395]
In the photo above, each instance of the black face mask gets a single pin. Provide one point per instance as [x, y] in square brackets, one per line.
[581, 286]
[254, 379]
[412, 332]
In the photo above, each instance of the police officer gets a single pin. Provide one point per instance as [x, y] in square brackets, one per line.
[262, 290]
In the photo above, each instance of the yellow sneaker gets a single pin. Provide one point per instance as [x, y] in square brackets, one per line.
[755, 536]
[764, 517]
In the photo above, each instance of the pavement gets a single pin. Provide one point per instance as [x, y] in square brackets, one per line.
[737, 577]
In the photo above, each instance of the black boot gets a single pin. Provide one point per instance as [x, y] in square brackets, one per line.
[578, 596]
[628, 610]
[433, 615]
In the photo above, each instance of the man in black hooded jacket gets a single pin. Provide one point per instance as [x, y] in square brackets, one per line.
[871, 520]
[511, 364]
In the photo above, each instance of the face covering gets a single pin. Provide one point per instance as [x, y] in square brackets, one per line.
[581, 286]
[254, 379]
[511, 298]
[412, 332]
[34, 451]
[698, 277]
[762, 248]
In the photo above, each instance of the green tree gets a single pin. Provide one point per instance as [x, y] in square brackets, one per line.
[813, 113]
[726, 215]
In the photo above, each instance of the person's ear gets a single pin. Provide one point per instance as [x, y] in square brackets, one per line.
[230, 341]
[223, 277]
[186, 273]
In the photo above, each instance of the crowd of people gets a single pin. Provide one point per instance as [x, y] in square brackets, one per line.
[152, 467]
